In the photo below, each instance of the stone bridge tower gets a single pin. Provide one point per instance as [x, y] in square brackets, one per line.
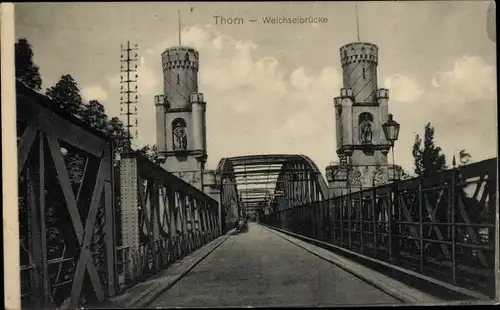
[360, 111]
[180, 117]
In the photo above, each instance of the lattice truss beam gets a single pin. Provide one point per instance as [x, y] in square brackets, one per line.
[264, 180]
[163, 218]
[67, 210]
[61, 253]
[442, 227]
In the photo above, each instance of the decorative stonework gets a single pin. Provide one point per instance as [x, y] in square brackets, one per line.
[355, 178]
[378, 176]
[191, 177]
[367, 176]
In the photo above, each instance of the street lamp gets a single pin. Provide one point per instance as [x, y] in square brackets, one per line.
[391, 132]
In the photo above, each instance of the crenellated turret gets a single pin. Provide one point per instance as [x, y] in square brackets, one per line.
[359, 63]
[360, 111]
[180, 74]
[180, 116]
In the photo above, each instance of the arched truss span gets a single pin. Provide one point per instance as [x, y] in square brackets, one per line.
[264, 183]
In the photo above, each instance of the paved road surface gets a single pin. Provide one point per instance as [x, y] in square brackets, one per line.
[258, 268]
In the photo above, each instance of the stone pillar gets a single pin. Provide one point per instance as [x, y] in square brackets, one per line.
[212, 187]
[130, 211]
[160, 123]
[336, 176]
[154, 209]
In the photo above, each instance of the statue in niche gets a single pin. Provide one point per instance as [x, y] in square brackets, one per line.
[365, 128]
[180, 137]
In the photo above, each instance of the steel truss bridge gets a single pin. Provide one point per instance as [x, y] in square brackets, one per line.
[95, 229]
[265, 183]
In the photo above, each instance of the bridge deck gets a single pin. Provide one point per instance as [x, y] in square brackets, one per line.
[259, 268]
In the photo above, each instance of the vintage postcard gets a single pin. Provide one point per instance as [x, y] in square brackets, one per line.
[250, 154]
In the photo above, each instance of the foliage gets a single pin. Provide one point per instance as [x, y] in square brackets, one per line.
[93, 114]
[428, 158]
[429, 161]
[67, 94]
[151, 152]
[26, 70]
[115, 129]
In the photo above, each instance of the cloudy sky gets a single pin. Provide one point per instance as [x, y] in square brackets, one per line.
[270, 88]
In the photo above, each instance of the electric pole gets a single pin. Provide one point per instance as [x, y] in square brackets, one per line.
[128, 89]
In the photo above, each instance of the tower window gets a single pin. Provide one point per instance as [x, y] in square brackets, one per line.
[364, 70]
[179, 81]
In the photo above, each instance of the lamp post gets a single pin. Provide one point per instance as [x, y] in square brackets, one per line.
[391, 132]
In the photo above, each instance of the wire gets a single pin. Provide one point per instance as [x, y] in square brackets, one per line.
[177, 91]
[371, 78]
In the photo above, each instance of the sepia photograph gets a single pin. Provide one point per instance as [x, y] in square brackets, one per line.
[252, 154]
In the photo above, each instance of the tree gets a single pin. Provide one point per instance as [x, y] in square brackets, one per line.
[428, 158]
[67, 94]
[428, 161]
[26, 70]
[116, 130]
[151, 152]
[93, 114]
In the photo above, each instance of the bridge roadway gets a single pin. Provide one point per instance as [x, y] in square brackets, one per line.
[259, 268]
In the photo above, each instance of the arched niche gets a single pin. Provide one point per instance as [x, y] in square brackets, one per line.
[179, 135]
[365, 122]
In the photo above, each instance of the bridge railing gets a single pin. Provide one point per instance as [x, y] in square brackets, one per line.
[82, 237]
[162, 218]
[66, 206]
[442, 227]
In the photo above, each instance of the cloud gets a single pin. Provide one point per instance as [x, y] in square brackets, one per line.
[464, 107]
[403, 88]
[299, 79]
[94, 92]
[460, 104]
[253, 107]
[469, 80]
